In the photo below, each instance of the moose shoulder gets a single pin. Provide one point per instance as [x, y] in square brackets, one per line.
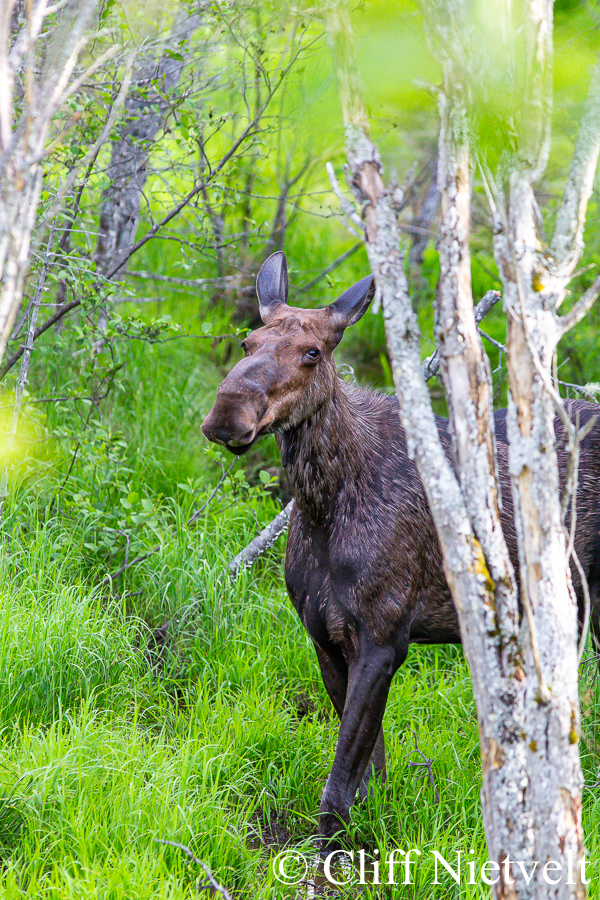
[363, 565]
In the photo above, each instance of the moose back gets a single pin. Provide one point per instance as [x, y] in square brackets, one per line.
[363, 565]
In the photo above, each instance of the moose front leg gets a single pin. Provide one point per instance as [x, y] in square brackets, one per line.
[334, 671]
[375, 768]
[369, 677]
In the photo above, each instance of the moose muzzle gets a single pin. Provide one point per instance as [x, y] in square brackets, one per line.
[235, 419]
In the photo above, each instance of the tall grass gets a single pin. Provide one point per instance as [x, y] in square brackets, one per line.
[220, 738]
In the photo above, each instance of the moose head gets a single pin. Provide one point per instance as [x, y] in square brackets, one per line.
[288, 372]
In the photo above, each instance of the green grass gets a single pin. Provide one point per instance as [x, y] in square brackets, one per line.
[223, 746]
[222, 739]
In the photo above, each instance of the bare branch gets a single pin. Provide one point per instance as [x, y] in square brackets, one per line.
[348, 208]
[262, 542]
[337, 262]
[426, 762]
[184, 282]
[431, 365]
[58, 315]
[199, 512]
[108, 579]
[581, 308]
[213, 885]
[567, 243]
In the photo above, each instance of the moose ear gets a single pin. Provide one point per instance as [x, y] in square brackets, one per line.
[272, 285]
[353, 303]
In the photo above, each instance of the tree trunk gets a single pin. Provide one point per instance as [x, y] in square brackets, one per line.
[524, 673]
[22, 143]
[147, 107]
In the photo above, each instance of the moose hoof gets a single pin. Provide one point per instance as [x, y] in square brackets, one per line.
[332, 834]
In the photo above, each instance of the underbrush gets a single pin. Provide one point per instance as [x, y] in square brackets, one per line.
[216, 734]
[147, 697]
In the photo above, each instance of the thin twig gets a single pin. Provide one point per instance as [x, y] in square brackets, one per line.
[425, 763]
[587, 607]
[12, 360]
[431, 365]
[184, 282]
[581, 308]
[112, 576]
[213, 885]
[349, 209]
[199, 512]
[337, 262]
[567, 242]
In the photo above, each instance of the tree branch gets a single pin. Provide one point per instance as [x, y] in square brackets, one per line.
[567, 243]
[12, 360]
[431, 365]
[195, 516]
[261, 542]
[213, 885]
[349, 210]
[581, 308]
[337, 262]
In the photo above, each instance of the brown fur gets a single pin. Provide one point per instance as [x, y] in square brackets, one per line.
[363, 565]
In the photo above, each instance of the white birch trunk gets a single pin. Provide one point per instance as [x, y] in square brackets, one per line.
[524, 674]
[22, 143]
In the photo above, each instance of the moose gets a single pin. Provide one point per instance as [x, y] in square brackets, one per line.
[363, 564]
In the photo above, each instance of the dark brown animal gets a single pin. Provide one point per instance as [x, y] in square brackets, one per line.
[363, 565]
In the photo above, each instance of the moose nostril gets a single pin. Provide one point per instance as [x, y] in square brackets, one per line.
[240, 440]
[221, 434]
[226, 434]
[215, 432]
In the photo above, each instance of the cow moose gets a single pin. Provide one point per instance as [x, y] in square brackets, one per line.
[363, 565]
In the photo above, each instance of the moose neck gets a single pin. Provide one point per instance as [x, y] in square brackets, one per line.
[323, 453]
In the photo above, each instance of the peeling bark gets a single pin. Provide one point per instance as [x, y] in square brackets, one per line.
[524, 669]
[549, 633]
[22, 143]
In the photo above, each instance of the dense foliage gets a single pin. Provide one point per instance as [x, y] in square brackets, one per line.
[157, 699]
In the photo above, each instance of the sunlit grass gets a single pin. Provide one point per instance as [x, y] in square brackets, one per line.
[221, 738]
[223, 745]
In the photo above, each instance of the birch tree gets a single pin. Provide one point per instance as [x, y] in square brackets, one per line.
[524, 668]
[37, 61]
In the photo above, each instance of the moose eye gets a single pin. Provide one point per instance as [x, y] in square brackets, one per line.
[312, 355]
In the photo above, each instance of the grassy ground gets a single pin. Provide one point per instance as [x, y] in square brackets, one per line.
[221, 738]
